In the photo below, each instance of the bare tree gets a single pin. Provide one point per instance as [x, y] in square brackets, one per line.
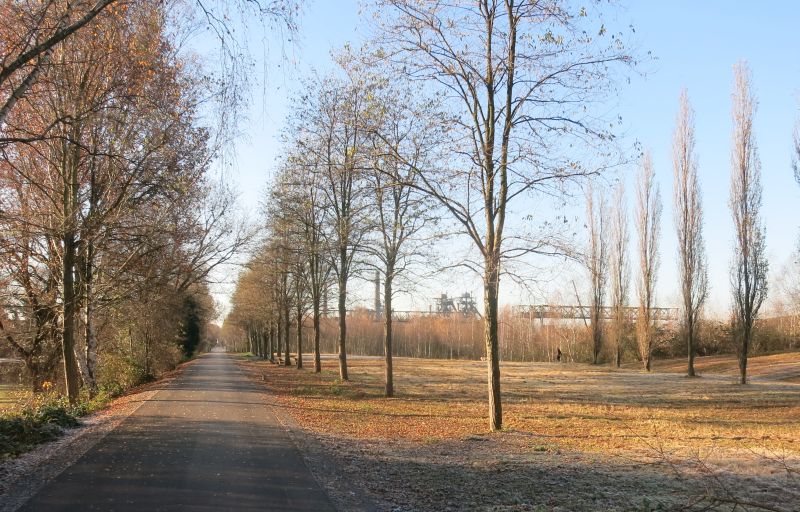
[619, 268]
[597, 265]
[336, 122]
[35, 28]
[688, 212]
[796, 152]
[648, 225]
[516, 77]
[299, 287]
[402, 145]
[309, 213]
[750, 266]
[122, 143]
[282, 252]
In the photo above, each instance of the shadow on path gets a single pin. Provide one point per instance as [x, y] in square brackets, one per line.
[207, 441]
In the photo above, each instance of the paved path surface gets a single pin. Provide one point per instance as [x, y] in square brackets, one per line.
[205, 442]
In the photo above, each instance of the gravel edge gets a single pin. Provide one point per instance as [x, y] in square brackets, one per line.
[24, 476]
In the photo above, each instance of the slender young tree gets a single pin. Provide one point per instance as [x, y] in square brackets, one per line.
[796, 153]
[750, 266]
[303, 204]
[402, 144]
[299, 291]
[313, 222]
[688, 212]
[285, 294]
[620, 269]
[277, 296]
[597, 265]
[648, 222]
[515, 77]
[338, 130]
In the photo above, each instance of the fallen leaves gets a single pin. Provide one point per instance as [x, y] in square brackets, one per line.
[571, 406]
[577, 437]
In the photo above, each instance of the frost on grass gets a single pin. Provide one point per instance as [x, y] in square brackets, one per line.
[577, 437]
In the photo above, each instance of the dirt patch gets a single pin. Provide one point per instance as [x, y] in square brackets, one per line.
[579, 437]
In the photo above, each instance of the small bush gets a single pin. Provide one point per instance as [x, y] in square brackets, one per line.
[55, 413]
[89, 405]
[42, 419]
[19, 433]
[112, 389]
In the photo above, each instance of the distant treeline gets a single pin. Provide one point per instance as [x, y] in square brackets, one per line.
[523, 339]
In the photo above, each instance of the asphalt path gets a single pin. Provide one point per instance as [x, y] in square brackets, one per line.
[205, 442]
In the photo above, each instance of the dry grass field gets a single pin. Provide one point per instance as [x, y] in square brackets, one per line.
[11, 396]
[576, 437]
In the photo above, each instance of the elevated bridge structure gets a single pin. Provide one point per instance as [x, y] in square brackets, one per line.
[401, 315]
[563, 312]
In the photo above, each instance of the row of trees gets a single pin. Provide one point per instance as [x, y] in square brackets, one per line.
[504, 122]
[343, 201]
[749, 265]
[522, 338]
[110, 219]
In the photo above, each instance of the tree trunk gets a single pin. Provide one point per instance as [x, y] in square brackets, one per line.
[68, 307]
[342, 324]
[317, 359]
[37, 378]
[147, 373]
[278, 335]
[690, 346]
[745, 346]
[80, 356]
[287, 358]
[262, 343]
[299, 337]
[491, 286]
[597, 333]
[271, 343]
[91, 335]
[387, 330]
[618, 330]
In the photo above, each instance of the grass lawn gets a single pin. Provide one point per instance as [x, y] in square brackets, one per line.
[662, 433]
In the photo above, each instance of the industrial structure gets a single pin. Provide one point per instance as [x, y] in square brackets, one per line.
[443, 305]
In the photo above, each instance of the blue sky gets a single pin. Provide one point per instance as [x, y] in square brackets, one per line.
[695, 45]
